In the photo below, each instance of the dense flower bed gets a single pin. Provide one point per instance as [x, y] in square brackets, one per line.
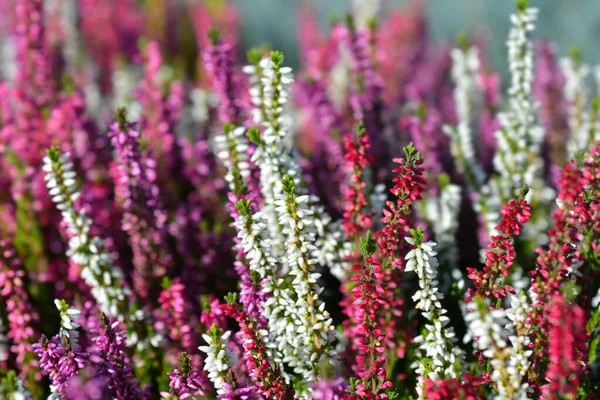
[386, 222]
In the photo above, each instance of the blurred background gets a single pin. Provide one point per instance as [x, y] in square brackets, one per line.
[565, 22]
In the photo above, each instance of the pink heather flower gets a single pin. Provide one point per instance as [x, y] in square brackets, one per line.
[568, 346]
[185, 382]
[59, 360]
[329, 389]
[144, 218]
[212, 313]
[20, 313]
[240, 393]
[264, 372]
[176, 318]
[356, 219]
[500, 253]
[112, 362]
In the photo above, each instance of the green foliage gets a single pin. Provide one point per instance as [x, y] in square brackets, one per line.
[231, 298]
[185, 364]
[243, 207]
[121, 118]
[418, 235]
[368, 245]
[214, 36]
[289, 186]
[253, 135]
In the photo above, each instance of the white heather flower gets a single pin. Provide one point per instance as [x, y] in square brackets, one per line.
[275, 161]
[439, 356]
[465, 70]
[314, 326]
[365, 11]
[106, 281]
[497, 343]
[4, 343]
[219, 357]
[232, 149]
[68, 326]
[442, 214]
[520, 137]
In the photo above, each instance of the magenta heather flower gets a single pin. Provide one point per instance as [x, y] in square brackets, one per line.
[185, 382]
[329, 389]
[219, 62]
[21, 315]
[111, 361]
[59, 360]
[143, 216]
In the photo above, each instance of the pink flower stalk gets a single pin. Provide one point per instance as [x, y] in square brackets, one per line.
[409, 185]
[548, 89]
[185, 382]
[212, 313]
[158, 120]
[219, 63]
[568, 346]
[143, 216]
[21, 315]
[263, 371]
[59, 360]
[113, 362]
[500, 253]
[356, 218]
[371, 359]
[176, 318]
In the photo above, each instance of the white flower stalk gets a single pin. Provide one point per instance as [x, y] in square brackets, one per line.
[442, 215]
[493, 340]
[576, 94]
[219, 357]
[313, 324]
[104, 278]
[106, 281]
[520, 136]
[520, 354]
[465, 69]
[365, 11]
[68, 326]
[4, 342]
[279, 310]
[439, 356]
[232, 149]
[276, 161]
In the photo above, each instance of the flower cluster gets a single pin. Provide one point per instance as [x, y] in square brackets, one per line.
[200, 245]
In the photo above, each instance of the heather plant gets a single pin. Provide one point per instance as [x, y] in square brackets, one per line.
[388, 221]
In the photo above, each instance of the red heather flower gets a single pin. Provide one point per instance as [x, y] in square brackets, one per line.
[452, 389]
[144, 218]
[356, 219]
[409, 185]
[372, 380]
[500, 253]
[266, 374]
[20, 313]
[568, 347]
[59, 360]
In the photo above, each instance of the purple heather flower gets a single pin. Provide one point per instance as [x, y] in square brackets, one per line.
[329, 390]
[144, 218]
[219, 62]
[185, 382]
[59, 360]
[91, 388]
[241, 393]
[112, 362]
